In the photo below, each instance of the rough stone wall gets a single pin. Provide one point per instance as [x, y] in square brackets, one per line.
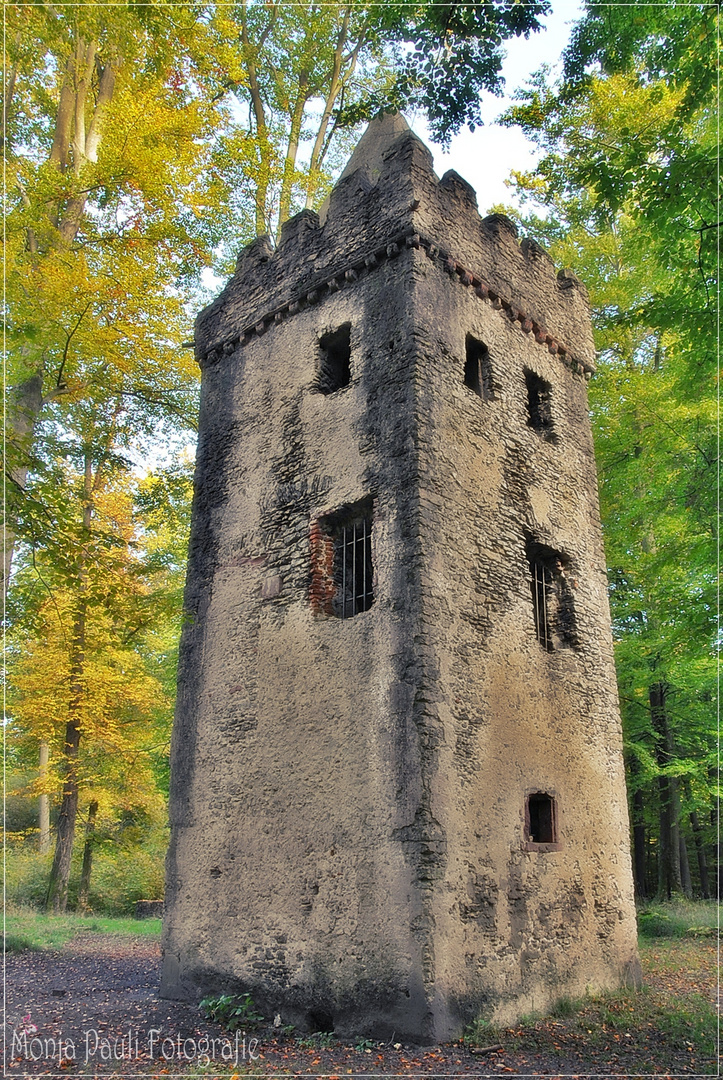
[348, 796]
[515, 924]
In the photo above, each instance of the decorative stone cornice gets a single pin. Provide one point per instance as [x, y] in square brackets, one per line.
[365, 262]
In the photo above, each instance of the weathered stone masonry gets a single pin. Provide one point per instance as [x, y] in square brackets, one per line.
[397, 803]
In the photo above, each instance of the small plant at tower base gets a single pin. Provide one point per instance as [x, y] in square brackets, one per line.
[232, 1011]
[480, 1032]
[363, 1045]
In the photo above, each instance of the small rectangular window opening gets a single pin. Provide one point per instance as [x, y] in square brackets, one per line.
[540, 818]
[477, 368]
[542, 584]
[342, 572]
[335, 360]
[539, 406]
[353, 570]
[552, 597]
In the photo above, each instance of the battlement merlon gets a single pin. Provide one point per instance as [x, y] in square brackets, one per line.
[388, 199]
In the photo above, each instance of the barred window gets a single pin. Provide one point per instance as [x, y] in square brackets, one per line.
[552, 597]
[353, 570]
[342, 572]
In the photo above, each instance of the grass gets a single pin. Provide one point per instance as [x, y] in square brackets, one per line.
[678, 919]
[670, 1021]
[26, 928]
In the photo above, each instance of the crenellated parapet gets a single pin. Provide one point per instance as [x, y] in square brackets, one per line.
[388, 201]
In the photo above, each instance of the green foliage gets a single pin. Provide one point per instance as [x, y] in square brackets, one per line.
[232, 1011]
[362, 1045]
[127, 867]
[564, 1007]
[294, 81]
[122, 877]
[480, 1033]
[320, 1040]
[445, 55]
[26, 876]
[628, 182]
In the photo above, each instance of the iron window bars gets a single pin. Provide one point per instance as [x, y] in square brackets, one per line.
[353, 570]
[541, 586]
[552, 597]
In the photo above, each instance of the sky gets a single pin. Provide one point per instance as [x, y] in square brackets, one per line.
[486, 156]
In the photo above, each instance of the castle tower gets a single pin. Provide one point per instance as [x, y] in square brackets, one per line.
[398, 798]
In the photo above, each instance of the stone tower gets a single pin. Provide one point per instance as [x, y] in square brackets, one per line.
[398, 798]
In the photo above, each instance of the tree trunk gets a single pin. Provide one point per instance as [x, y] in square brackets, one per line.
[700, 852]
[84, 890]
[60, 873]
[718, 845]
[685, 869]
[669, 874]
[262, 134]
[57, 900]
[43, 801]
[331, 96]
[23, 409]
[639, 845]
[292, 150]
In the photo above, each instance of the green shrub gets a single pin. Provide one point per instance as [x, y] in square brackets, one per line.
[565, 1007]
[232, 1011]
[26, 876]
[121, 875]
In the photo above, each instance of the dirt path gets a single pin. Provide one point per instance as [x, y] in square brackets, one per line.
[87, 996]
[92, 1008]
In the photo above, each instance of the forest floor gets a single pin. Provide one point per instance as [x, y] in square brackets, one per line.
[91, 1008]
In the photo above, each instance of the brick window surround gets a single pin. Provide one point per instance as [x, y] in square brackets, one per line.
[342, 573]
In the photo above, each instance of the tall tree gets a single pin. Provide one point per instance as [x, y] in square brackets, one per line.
[104, 152]
[628, 178]
[84, 677]
[306, 74]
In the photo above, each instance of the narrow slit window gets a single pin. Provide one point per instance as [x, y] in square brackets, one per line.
[335, 360]
[342, 571]
[552, 597]
[477, 368]
[539, 406]
[541, 819]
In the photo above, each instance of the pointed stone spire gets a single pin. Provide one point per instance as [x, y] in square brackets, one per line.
[368, 159]
[382, 131]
